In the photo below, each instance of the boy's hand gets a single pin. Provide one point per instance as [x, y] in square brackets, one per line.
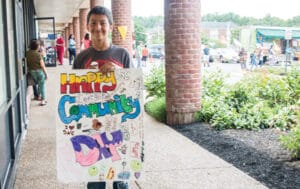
[107, 67]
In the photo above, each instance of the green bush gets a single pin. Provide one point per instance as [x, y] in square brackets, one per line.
[157, 109]
[155, 82]
[213, 84]
[291, 142]
[257, 101]
[293, 80]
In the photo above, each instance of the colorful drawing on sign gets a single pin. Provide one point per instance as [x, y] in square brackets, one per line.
[100, 126]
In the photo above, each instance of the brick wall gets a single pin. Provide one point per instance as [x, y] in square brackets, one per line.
[121, 10]
[82, 20]
[183, 68]
[66, 41]
[71, 31]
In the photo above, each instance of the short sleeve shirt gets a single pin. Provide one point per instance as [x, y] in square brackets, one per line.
[91, 58]
[33, 60]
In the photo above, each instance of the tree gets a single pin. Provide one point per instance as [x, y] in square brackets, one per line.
[144, 26]
[139, 33]
[267, 20]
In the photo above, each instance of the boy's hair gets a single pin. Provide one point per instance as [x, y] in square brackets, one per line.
[100, 11]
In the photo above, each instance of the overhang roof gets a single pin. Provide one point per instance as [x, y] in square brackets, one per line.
[277, 33]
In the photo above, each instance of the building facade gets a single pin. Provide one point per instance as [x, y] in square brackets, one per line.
[16, 28]
[19, 24]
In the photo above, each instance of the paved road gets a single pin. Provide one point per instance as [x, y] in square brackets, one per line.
[233, 69]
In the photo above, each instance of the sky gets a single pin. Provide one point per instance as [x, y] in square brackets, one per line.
[255, 8]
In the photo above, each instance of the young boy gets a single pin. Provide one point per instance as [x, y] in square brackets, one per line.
[103, 56]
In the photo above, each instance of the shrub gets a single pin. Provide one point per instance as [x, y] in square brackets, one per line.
[155, 82]
[157, 109]
[213, 84]
[293, 80]
[291, 142]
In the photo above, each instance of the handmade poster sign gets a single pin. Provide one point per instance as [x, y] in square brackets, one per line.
[100, 126]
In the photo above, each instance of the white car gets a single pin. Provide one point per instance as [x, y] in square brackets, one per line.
[228, 55]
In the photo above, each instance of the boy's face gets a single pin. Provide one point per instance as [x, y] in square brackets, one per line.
[99, 27]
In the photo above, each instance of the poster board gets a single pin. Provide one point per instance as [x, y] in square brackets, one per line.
[99, 126]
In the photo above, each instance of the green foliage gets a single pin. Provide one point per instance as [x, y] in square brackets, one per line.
[157, 109]
[212, 43]
[267, 20]
[291, 142]
[139, 33]
[143, 24]
[155, 82]
[235, 34]
[293, 80]
[213, 83]
[256, 102]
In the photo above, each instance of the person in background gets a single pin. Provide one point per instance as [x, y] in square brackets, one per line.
[145, 54]
[86, 42]
[71, 48]
[243, 58]
[138, 54]
[253, 60]
[260, 56]
[42, 51]
[206, 56]
[37, 69]
[271, 55]
[60, 49]
[103, 56]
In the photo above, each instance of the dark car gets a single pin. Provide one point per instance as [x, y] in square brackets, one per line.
[156, 54]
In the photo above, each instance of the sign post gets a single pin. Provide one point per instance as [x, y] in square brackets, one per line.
[287, 36]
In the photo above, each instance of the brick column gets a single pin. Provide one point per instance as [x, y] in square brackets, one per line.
[76, 33]
[71, 31]
[121, 10]
[66, 41]
[94, 3]
[82, 20]
[183, 55]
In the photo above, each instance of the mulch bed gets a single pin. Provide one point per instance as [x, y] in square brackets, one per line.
[257, 153]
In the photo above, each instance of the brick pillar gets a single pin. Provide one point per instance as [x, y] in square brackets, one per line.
[66, 41]
[183, 55]
[76, 31]
[71, 31]
[94, 3]
[82, 20]
[121, 10]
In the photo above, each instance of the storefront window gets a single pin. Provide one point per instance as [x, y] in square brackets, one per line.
[3, 93]
[11, 47]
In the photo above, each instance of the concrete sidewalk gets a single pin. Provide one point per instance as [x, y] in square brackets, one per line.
[171, 160]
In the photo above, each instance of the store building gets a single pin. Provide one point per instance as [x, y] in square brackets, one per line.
[23, 20]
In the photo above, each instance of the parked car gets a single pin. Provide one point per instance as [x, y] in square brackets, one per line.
[228, 55]
[156, 51]
[156, 54]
